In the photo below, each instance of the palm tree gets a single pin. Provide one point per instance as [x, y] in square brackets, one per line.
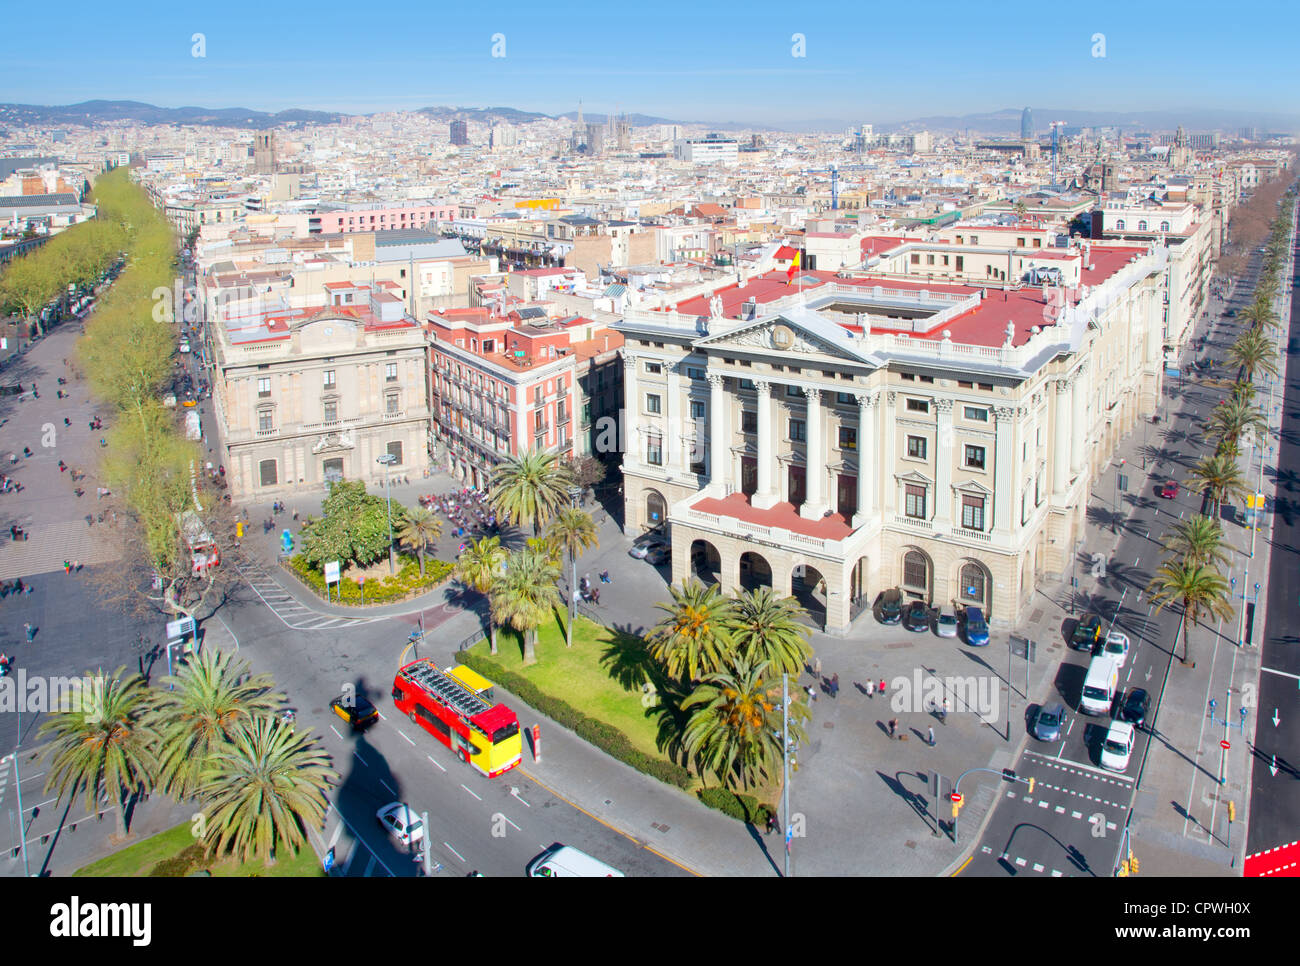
[766, 629]
[1232, 417]
[1243, 390]
[265, 789]
[1198, 541]
[1197, 588]
[103, 740]
[211, 697]
[574, 531]
[481, 565]
[694, 638]
[1253, 352]
[734, 730]
[527, 595]
[531, 486]
[418, 530]
[1220, 476]
[1258, 314]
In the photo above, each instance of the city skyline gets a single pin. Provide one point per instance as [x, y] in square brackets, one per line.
[765, 64]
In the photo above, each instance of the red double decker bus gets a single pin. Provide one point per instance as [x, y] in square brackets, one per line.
[485, 736]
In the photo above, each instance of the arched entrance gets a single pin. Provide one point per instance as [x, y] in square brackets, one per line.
[706, 562]
[809, 588]
[975, 585]
[656, 509]
[917, 574]
[859, 598]
[755, 571]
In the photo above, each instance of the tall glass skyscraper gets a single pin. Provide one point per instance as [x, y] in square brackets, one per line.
[1026, 125]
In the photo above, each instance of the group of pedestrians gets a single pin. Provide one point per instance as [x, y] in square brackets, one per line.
[589, 592]
[467, 510]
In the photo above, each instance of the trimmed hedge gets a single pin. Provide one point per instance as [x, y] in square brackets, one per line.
[180, 864]
[402, 585]
[606, 737]
[741, 807]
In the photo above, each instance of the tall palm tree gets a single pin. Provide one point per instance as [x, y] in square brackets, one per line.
[211, 697]
[1258, 314]
[418, 530]
[1253, 352]
[265, 789]
[1197, 588]
[1197, 541]
[103, 742]
[1220, 476]
[531, 487]
[481, 565]
[1233, 417]
[694, 638]
[573, 531]
[765, 629]
[527, 595]
[734, 729]
[1244, 391]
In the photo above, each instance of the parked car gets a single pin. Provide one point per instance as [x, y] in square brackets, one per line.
[917, 617]
[1135, 707]
[891, 607]
[1117, 746]
[1049, 723]
[977, 629]
[642, 550]
[1169, 489]
[355, 710]
[1086, 633]
[658, 554]
[1116, 646]
[945, 624]
[402, 823]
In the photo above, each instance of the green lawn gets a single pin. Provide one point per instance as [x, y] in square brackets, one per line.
[139, 859]
[601, 675]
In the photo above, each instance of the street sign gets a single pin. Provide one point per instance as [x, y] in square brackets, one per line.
[332, 572]
[956, 798]
[1224, 744]
[1123, 482]
[179, 629]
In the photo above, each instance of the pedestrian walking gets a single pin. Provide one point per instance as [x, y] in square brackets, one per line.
[817, 667]
[295, 515]
[931, 736]
[31, 632]
[604, 576]
[893, 726]
[595, 595]
[834, 685]
[943, 712]
[882, 687]
[871, 688]
[812, 693]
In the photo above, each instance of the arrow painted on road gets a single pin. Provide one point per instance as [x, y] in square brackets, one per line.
[1276, 719]
[1148, 674]
[1273, 766]
[515, 792]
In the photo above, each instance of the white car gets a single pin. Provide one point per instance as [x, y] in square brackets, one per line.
[402, 823]
[1117, 746]
[945, 625]
[1116, 646]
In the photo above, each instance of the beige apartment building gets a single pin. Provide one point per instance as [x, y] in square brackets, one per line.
[308, 396]
[863, 434]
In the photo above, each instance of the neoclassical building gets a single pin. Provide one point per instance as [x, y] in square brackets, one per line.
[858, 434]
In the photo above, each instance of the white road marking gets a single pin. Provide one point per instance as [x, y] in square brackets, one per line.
[359, 758]
[403, 734]
[431, 758]
[454, 852]
[471, 791]
[336, 732]
[388, 786]
[512, 824]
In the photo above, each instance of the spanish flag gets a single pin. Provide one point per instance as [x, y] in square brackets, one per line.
[794, 267]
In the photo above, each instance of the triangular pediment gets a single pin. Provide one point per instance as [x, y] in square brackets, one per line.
[792, 335]
[972, 486]
[912, 476]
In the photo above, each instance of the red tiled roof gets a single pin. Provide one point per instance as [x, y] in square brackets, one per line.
[784, 515]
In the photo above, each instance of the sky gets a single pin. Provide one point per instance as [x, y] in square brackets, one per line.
[868, 61]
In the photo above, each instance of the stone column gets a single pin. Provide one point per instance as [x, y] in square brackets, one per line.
[1004, 486]
[889, 495]
[631, 416]
[765, 496]
[674, 451]
[943, 465]
[1062, 430]
[1078, 423]
[719, 465]
[868, 459]
[815, 475]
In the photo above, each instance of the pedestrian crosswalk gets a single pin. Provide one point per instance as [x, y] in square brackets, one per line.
[48, 545]
[293, 612]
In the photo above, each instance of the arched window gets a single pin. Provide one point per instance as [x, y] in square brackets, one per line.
[974, 584]
[655, 509]
[916, 571]
[1164, 226]
[1142, 226]
[1119, 224]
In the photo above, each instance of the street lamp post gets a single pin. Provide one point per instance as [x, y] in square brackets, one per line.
[574, 493]
[387, 460]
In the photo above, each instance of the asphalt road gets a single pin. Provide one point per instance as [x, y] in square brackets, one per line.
[1069, 825]
[1275, 773]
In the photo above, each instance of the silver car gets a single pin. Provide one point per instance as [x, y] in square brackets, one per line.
[945, 625]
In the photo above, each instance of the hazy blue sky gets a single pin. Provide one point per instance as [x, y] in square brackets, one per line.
[868, 61]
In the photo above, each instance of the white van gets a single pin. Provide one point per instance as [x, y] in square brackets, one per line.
[1099, 685]
[564, 860]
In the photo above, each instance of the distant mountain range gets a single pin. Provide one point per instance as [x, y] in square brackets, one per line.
[1001, 122]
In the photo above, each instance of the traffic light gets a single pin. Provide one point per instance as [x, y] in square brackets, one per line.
[1031, 786]
[1132, 863]
[1232, 811]
[955, 809]
[1123, 869]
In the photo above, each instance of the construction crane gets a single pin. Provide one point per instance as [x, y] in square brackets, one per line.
[1056, 146]
[834, 171]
